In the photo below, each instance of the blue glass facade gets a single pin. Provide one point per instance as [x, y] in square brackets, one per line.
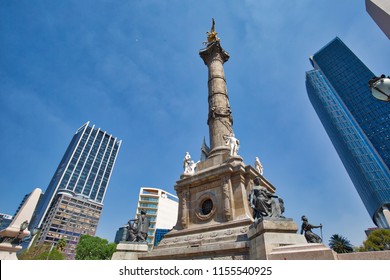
[159, 235]
[357, 124]
[84, 170]
[5, 220]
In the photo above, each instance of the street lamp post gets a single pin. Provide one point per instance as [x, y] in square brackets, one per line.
[380, 87]
[17, 239]
[11, 237]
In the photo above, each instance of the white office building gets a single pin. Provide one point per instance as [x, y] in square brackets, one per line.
[161, 208]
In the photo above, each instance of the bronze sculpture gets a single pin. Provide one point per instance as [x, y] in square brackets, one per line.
[306, 228]
[137, 229]
[263, 203]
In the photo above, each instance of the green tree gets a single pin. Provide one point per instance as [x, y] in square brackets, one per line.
[340, 244]
[61, 244]
[378, 240]
[41, 252]
[94, 248]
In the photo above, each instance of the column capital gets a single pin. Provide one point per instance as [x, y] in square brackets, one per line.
[214, 47]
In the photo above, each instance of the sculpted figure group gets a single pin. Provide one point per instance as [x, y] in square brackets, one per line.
[189, 165]
[137, 229]
[264, 203]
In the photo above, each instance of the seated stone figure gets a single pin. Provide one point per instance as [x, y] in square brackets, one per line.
[143, 227]
[263, 203]
[132, 230]
[137, 229]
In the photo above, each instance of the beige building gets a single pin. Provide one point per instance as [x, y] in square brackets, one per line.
[70, 217]
[161, 208]
[379, 10]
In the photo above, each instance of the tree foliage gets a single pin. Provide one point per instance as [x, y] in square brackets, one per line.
[61, 244]
[378, 240]
[41, 252]
[94, 248]
[340, 244]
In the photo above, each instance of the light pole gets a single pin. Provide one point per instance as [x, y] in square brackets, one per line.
[23, 226]
[380, 87]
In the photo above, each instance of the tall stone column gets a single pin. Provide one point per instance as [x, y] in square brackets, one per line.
[220, 119]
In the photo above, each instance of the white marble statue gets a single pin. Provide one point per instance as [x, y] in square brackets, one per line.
[259, 166]
[186, 162]
[234, 144]
[189, 165]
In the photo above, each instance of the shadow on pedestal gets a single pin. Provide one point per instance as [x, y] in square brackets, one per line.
[126, 250]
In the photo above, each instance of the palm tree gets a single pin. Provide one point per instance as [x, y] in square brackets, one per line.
[340, 244]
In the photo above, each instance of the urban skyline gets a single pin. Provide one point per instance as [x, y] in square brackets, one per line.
[134, 69]
[85, 169]
[72, 203]
[357, 124]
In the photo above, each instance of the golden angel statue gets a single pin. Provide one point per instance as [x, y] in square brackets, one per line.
[212, 34]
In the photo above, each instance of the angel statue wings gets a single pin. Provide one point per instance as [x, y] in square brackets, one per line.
[212, 34]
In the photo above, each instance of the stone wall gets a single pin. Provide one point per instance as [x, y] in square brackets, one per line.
[376, 255]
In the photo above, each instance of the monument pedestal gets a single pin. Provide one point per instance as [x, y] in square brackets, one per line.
[270, 234]
[224, 241]
[214, 215]
[310, 251]
[8, 250]
[17, 230]
[129, 250]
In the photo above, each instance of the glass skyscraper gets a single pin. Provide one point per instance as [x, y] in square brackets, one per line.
[357, 124]
[5, 220]
[79, 183]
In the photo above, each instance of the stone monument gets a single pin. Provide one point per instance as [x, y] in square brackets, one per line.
[215, 215]
[11, 237]
[227, 209]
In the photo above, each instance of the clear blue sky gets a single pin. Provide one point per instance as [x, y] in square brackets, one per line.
[133, 69]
